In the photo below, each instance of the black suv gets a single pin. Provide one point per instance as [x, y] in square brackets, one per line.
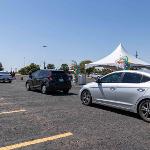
[49, 80]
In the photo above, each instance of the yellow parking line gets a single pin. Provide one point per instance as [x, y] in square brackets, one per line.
[37, 141]
[10, 112]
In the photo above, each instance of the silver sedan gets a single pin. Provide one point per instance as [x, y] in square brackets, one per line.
[127, 90]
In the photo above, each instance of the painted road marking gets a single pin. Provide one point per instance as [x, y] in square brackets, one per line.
[37, 141]
[10, 112]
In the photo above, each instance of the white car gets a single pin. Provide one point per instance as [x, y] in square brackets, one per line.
[127, 90]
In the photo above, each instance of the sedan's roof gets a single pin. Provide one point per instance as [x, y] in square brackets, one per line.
[144, 72]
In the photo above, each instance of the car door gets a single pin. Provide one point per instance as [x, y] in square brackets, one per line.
[42, 78]
[130, 90]
[105, 92]
[34, 79]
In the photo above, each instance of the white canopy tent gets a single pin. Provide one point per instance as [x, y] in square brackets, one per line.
[118, 58]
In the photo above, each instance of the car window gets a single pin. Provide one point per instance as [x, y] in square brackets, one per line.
[35, 74]
[132, 78]
[59, 74]
[4, 73]
[112, 78]
[44, 73]
[145, 79]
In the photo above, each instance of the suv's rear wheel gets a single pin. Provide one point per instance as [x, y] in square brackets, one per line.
[144, 110]
[44, 89]
[86, 98]
[28, 87]
[66, 91]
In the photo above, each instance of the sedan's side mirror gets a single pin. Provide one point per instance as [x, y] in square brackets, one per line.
[98, 80]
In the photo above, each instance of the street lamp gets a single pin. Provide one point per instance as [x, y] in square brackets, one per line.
[24, 63]
[44, 64]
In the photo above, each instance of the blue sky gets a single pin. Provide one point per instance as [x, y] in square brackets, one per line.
[72, 30]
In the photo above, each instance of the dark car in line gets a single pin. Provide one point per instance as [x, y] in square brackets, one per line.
[5, 77]
[49, 80]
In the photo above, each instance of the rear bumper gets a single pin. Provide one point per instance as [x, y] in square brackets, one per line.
[59, 86]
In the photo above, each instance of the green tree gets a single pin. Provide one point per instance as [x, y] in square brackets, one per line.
[105, 71]
[82, 67]
[29, 69]
[64, 67]
[50, 66]
[1, 67]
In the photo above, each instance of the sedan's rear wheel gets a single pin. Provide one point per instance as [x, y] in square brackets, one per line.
[86, 98]
[44, 89]
[144, 110]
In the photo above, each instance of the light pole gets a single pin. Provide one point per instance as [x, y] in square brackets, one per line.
[44, 64]
[136, 55]
[24, 63]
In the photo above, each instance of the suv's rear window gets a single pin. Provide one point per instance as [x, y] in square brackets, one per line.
[59, 74]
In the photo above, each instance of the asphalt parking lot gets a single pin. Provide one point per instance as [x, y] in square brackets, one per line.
[32, 121]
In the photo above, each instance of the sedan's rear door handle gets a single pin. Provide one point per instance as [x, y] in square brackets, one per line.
[141, 90]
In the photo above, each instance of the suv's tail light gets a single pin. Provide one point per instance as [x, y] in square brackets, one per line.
[50, 78]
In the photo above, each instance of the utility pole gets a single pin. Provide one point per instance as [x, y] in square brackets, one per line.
[44, 65]
[136, 55]
[24, 63]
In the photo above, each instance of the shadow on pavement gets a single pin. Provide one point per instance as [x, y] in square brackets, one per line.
[58, 93]
[115, 110]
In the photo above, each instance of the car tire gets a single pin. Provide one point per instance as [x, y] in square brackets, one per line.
[86, 98]
[28, 87]
[144, 110]
[66, 91]
[43, 89]
[10, 81]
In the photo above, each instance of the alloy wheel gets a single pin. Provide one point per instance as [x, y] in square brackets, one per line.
[86, 98]
[144, 110]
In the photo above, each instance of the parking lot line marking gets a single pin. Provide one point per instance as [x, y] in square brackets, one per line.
[10, 112]
[37, 141]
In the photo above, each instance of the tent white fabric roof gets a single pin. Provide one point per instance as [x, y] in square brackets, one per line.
[116, 58]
